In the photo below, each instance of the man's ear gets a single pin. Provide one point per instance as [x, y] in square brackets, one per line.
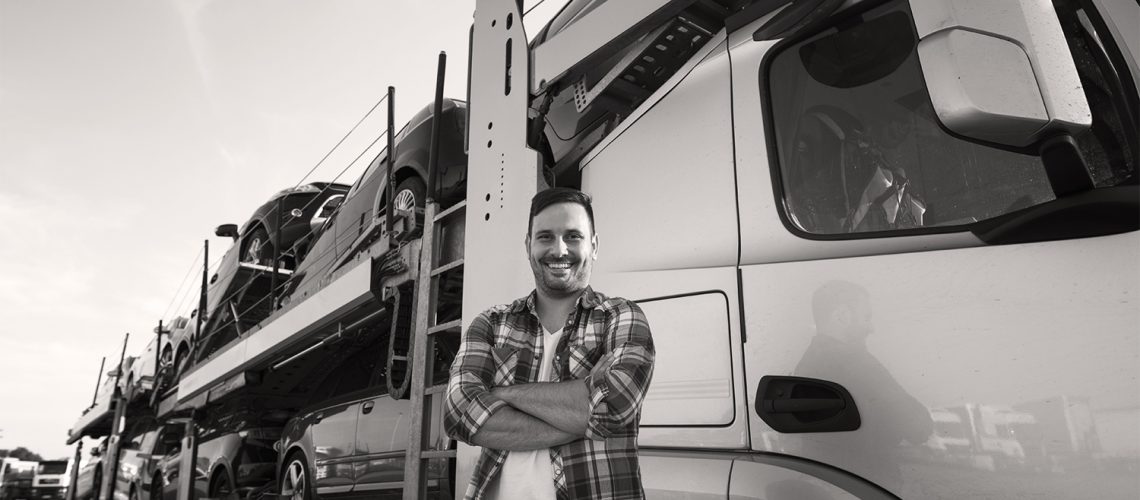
[594, 254]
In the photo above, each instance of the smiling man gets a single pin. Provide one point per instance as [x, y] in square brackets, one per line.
[551, 385]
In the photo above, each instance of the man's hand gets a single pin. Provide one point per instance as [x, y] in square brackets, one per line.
[510, 429]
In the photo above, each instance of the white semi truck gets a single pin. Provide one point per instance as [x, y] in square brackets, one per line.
[840, 217]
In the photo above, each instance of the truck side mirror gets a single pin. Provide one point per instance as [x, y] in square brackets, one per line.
[227, 230]
[999, 71]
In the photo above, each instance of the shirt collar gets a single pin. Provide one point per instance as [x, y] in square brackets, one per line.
[588, 299]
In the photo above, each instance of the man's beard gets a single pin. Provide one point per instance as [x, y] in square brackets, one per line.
[558, 287]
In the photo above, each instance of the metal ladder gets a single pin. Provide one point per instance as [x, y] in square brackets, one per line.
[439, 226]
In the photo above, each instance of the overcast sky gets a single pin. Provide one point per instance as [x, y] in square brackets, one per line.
[130, 129]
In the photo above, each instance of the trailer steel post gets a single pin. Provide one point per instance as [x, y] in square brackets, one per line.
[157, 357]
[422, 343]
[436, 111]
[95, 397]
[74, 476]
[202, 297]
[276, 259]
[111, 456]
[187, 460]
[391, 190]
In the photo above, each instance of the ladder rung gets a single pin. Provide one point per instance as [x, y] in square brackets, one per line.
[451, 210]
[397, 357]
[428, 454]
[436, 389]
[446, 267]
[443, 327]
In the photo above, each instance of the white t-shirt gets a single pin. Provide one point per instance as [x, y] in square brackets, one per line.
[529, 474]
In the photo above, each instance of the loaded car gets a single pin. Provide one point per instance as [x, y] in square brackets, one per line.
[135, 462]
[176, 342]
[235, 458]
[238, 294]
[90, 476]
[358, 220]
[351, 438]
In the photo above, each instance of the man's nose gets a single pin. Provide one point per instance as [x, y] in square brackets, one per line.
[560, 247]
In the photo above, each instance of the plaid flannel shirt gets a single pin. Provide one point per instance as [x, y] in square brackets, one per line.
[503, 346]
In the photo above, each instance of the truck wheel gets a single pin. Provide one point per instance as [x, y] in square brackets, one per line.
[295, 480]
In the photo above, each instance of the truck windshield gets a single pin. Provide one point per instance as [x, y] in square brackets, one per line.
[861, 150]
[53, 467]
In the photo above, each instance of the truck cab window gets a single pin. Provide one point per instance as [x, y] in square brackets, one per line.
[859, 146]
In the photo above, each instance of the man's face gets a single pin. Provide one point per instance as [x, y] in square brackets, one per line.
[561, 247]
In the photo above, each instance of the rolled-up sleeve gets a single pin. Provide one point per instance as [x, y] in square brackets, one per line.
[618, 390]
[469, 402]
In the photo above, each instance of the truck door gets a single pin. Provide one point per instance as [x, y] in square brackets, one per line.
[940, 366]
[664, 202]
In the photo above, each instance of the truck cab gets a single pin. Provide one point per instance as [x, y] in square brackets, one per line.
[51, 479]
[842, 218]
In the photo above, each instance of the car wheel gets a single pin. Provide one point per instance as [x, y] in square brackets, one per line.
[221, 487]
[258, 248]
[179, 361]
[295, 479]
[410, 194]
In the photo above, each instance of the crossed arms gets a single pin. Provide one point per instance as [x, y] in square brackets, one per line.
[542, 415]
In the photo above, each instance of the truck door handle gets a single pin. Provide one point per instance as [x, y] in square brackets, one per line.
[798, 404]
[367, 407]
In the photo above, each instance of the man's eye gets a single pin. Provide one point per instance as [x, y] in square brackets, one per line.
[543, 237]
[574, 237]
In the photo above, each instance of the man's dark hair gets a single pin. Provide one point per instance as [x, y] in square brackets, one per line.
[552, 196]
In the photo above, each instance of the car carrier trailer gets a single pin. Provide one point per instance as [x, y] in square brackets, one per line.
[837, 215]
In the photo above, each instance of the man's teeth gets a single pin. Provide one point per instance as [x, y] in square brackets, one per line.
[559, 265]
